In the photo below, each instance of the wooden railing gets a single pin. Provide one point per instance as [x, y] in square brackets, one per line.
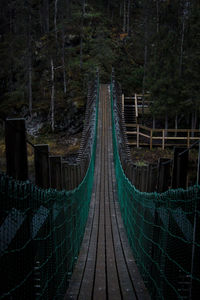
[137, 101]
[160, 137]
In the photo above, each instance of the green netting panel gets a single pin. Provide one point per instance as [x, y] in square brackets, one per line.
[40, 234]
[163, 231]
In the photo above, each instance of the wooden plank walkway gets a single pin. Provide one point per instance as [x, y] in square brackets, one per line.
[105, 268]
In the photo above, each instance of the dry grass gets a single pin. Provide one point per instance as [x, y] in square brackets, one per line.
[58, 145]
[144, 155]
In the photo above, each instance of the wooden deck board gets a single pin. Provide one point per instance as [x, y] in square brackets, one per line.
[106, 268]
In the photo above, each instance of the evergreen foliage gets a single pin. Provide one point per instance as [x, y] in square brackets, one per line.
[153, 45]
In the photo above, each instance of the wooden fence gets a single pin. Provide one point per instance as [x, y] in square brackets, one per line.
[138, 101]
[50, 171]
[145, 136]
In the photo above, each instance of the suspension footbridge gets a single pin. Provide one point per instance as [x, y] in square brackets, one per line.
[103, 239]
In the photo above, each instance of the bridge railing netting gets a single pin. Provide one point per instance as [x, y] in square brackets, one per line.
[163, 229]
[41, 232]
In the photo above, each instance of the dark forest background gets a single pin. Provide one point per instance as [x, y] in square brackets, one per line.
[49, 51]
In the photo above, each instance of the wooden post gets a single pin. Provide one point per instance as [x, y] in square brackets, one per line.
[79, 174]
[164, 177]
[16, 149]
[152, 177]
[138, 135]
[143, 180]
[188, 139]
[65, 175]
[163, 139]
[55, 172]
[71, 175]
[42, 178]
[123, 104]
[133, 176]
[73, 178]
[136, 107]
[182, 168]
[151, 134]
[179, 175]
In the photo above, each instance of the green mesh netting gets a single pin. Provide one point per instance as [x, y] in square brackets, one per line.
[163, 231]
[40, 233]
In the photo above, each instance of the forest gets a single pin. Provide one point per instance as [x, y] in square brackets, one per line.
[50, 49]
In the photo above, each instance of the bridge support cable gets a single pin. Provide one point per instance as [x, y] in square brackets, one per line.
[161, 228]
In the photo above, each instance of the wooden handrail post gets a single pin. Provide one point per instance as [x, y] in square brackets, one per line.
[151, 134]
[138, 135]
[16, 149]
[163, 139]
[188, 139]
[42, 176]
[136, 107]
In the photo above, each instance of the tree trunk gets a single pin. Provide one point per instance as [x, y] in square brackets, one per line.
[128, 17]
[69, 8]
[30, 97]
[46, 15]
[11, 54]
[55, 18]
[83, 6]
[154, 122]
[157, 16]
[181, 50]
[81, 52]
[63, 61]
[145, 54]
[52, 95]
[81, 39]
[144, 72]
[124, 20]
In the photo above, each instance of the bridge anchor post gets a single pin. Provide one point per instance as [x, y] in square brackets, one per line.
[16, 149]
